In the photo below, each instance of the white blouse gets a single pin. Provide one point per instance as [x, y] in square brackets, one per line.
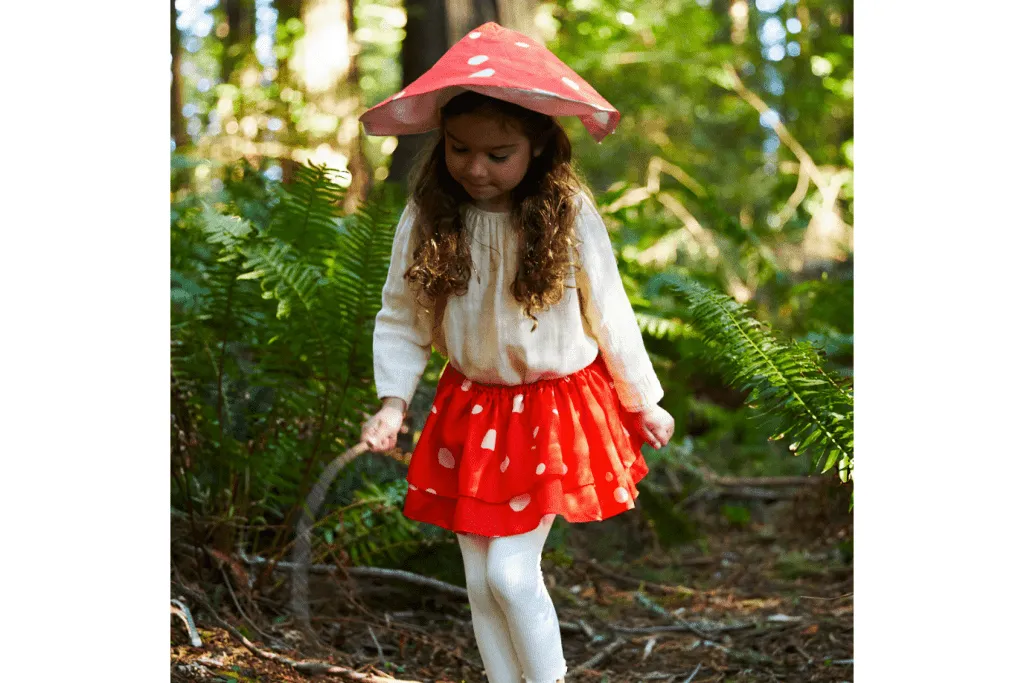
[487, 338]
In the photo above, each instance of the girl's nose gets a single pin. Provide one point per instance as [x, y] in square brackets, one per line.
[477, 169]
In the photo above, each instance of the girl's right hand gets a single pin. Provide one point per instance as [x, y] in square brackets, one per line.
[380, 432]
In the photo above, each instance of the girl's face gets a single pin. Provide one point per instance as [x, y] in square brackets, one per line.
[489, 160]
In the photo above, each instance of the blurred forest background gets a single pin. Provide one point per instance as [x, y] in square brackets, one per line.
[727, 189]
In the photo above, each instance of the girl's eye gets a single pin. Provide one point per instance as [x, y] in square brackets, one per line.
[494, 157]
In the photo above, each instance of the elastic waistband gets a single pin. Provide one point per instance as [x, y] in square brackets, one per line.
[455, 376]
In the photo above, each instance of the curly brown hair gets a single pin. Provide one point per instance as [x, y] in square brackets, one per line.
[543, 212]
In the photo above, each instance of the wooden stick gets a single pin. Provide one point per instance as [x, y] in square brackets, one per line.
[303, 666]
[371, 572]
[600, 656]
[662, 588]
[179, 608]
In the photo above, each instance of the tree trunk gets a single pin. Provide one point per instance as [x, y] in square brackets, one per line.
[325, 66]
[362, 179]
[519, 15]
[466, 15]
[426, 39]
[287, 9]
[178, 132]
[240, 16]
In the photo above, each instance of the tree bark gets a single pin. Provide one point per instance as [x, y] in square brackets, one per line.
[362, 178]
[287, 9]
[426, 39]
[178, 132]
[466, 15]
[325, 66]
[518, 15]
[241, 19]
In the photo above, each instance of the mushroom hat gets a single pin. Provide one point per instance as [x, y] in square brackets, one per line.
[501, 63]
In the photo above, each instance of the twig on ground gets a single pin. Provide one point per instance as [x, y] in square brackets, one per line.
[662, 588]
[303, 666]
[238, 606]
[690, 677]
[370, 572]
[380, 650]
[179, 608]
[651, 642]
[600, 656]
[587, 629]
[697, 628]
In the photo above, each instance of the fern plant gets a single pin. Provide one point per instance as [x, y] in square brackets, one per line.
[787, 384]
[272, 320]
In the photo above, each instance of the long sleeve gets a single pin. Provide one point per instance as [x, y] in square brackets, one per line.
[610, 316]
[401, 338]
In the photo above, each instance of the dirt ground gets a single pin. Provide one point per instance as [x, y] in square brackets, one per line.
[765, 594]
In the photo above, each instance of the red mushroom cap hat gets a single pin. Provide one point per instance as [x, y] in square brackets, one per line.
[501, 63]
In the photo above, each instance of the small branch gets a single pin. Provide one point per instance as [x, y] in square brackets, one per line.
[697, 628]
[690, 677]
[380, 650]
[303, 666]
[768, 482]
[179, 608]
[787, 138]
[371, 572]
[662, 588]
[238, 605]
[600, 656]
[304, 527]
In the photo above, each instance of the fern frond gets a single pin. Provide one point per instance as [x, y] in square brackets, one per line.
[307, 213]
[658, 327]
[783, 380]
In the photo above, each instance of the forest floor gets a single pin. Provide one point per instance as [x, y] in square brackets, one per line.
[764, 597]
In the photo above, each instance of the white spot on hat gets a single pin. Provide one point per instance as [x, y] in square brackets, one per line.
[482, 74]
[412, 487]
[466, 385]
[535, 430]
[517, 404]
[433, 409]
[479, 59]
[432, 491]
[477, 409]
[504, 464]
[445, 457]
[540, 468]
[601, 117]
[474, 35]
[571, 83]
[519, 502]
[621, 495]
[522, 44]
[489, 438]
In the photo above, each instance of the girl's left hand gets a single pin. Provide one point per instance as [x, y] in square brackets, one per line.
[657, 425]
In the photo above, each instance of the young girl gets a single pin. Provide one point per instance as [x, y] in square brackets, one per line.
[502, 262]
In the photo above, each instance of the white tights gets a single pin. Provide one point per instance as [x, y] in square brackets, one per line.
[514, 620]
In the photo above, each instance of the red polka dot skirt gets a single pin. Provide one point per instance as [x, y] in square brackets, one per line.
[493, 460]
